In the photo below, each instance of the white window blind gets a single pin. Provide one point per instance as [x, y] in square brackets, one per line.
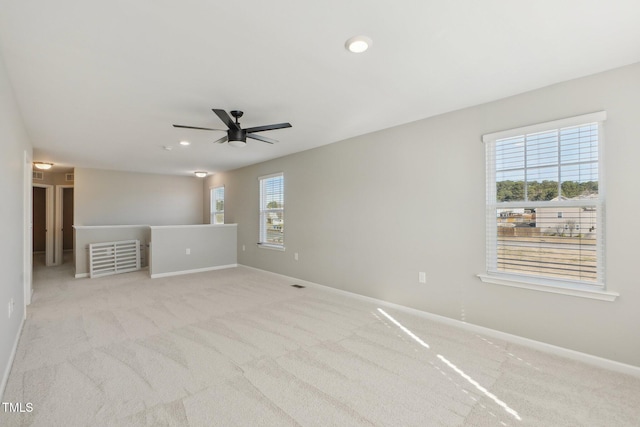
[545, 202]
[217, 205]
[272, 210]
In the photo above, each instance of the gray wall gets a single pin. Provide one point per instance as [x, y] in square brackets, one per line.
[210, 246]
[105, 197]
[85, 235]
[53, 178]
[13, 143]
[367, 214]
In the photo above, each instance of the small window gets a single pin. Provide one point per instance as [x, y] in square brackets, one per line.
[547, 177]
[272, 211]
[217, 205]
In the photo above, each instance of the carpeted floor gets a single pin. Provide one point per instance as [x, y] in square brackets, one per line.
[239, 347]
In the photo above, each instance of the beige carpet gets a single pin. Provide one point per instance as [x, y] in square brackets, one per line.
[239, 347]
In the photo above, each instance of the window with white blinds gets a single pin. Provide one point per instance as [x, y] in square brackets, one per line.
[217, 205]
[272, 211]
[545, 202]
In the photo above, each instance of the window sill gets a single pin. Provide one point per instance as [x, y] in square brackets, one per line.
[575, 290]
[271, 247]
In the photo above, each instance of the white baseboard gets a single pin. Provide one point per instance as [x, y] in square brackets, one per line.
[197, 270]
[85, 275]
[590, 359]
[7, 369]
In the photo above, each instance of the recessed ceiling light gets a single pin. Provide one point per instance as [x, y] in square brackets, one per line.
[43, 165]
[168, 147]
[358, 44]
[200, 174]
[185, 143]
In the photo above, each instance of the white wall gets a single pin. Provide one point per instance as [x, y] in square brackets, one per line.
[13, 144]
[367, 214]
[106, 197]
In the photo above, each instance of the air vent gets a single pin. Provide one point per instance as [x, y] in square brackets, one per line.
[68, 177]
[38, 176]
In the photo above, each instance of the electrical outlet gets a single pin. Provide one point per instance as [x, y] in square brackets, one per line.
[295, 256]
[188, 251]
[422, 277]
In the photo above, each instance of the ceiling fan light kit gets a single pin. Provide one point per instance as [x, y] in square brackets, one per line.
[237, 143]
[237, 136]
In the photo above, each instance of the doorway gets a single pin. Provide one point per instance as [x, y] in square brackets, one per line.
[39, 240]
[64, 224]
[42, 217]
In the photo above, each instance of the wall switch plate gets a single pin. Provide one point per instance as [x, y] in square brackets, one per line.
[188, 251]
[243, 248]
[422, 277]
[295, 256]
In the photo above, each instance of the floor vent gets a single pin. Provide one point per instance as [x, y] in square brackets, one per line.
[113, 257]
[297, 286]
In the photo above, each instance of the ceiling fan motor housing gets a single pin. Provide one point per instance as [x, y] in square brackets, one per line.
[237, 135]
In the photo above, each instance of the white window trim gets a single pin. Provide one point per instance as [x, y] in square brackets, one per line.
[564, 287]
[213, 211]
[261, 244]
[271, 247]
[599, 116]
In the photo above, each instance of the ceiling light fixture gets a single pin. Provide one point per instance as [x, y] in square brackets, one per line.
[358, 44]
[185, 143]
[43, 165]
[200, 174]
[237, 137]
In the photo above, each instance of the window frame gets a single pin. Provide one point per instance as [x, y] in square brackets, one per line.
[264, 212]
[596, 290]
[213, 207]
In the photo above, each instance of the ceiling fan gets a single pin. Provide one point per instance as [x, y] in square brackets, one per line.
[237, 136]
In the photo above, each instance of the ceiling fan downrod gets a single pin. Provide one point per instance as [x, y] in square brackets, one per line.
[237, 114]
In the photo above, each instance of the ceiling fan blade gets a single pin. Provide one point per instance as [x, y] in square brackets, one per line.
[261, 138]
[221, 140]
[194, 127]
[268, 127]
[226, 119]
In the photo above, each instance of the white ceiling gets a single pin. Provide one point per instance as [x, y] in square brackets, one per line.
[100, 83]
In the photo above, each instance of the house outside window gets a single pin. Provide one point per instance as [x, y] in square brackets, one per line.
[545, 203]
[217, 205]
[272, 211]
